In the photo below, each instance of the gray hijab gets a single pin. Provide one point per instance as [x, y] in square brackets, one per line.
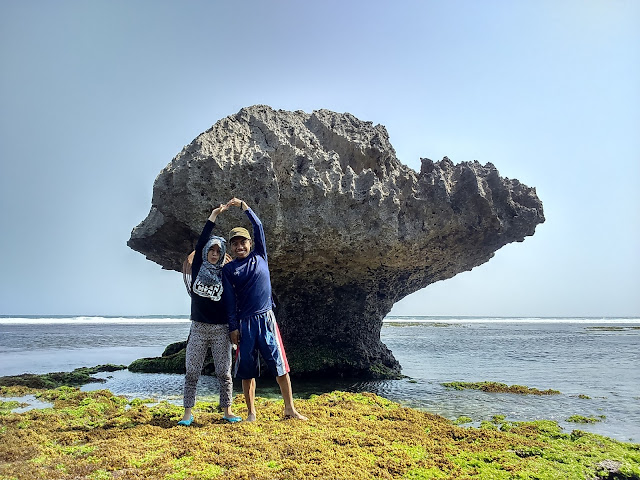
[208, 283]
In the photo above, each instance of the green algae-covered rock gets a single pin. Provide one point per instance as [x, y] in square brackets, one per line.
[318, 361]
[171, 361]
[79, 376]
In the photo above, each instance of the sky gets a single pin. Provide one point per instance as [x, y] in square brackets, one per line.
[96, 97]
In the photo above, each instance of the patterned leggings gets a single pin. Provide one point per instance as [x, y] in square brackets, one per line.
[201, 337]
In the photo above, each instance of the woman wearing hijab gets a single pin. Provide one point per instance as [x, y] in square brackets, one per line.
[209, 324]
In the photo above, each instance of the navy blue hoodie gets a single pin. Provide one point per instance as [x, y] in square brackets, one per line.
[247, 282]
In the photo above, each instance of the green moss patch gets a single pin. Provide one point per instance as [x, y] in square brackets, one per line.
[6, 407]
[582, 419]
[494, 387]
[462, 420]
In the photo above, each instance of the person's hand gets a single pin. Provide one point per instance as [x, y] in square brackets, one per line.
[235, 337]
[236, 202]
[218, 210]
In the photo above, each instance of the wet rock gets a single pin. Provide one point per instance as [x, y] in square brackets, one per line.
[610, 469]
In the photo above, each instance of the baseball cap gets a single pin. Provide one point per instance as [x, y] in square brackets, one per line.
[239, 232]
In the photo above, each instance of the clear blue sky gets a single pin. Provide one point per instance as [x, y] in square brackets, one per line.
[96, 97]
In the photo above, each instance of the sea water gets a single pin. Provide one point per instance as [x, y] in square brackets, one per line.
[596, 358]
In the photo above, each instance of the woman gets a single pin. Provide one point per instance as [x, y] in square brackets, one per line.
[209, 325]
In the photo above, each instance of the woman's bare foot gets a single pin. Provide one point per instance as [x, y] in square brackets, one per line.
[251, 417]
[228, 412]
[187, 414]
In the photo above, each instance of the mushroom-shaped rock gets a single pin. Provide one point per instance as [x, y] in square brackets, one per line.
[350, 230]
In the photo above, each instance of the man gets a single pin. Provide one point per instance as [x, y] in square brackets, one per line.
[252, 324]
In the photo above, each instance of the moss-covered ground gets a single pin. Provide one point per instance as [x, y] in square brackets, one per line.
[98, 436]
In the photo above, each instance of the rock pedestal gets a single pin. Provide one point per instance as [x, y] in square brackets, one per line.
[350, 230]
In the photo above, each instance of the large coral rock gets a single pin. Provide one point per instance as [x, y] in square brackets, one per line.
[350, 230]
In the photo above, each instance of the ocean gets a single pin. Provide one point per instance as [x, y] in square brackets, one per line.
[594, 357]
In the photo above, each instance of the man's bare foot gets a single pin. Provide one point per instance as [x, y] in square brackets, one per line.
[294, 415]
[251, 417]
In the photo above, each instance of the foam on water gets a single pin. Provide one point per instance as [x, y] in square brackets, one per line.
[148, 319]
[458, 319]
[62, 320]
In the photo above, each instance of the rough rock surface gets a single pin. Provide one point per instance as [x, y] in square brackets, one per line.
[350, 230]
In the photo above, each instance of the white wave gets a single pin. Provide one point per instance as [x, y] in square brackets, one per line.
[88, 320]
[389, 319]
[581, 320]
